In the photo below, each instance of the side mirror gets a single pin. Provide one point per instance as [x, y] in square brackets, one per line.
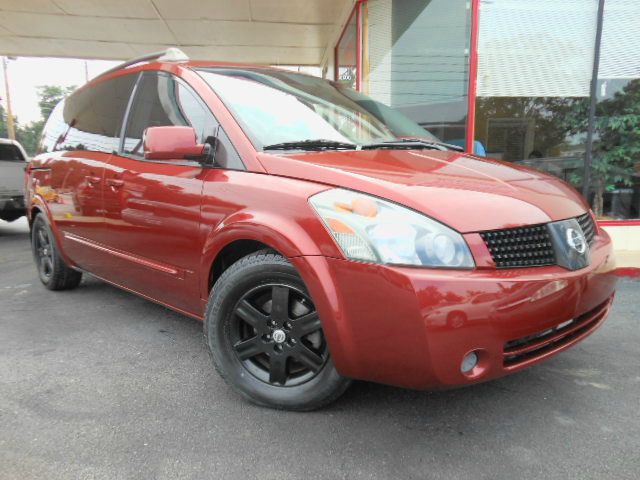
[171, 143]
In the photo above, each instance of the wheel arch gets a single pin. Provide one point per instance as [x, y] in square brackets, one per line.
[231, 253]
[226, 245]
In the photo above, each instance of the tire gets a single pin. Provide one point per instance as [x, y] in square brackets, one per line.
[265, 337]
[54, 273]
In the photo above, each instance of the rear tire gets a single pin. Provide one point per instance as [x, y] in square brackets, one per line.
[54, 273]
[265, 337]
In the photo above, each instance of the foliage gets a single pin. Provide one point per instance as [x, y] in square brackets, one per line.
[551, 116]
[561, 122]
[616, 140]
[3, 123]
[29, 135]
[49, 96]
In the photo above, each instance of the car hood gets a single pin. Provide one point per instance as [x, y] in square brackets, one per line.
[467, 193]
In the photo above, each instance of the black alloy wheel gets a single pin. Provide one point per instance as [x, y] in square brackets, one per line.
[265, 336]
[43, 252]
[53, 272]
[277, 335]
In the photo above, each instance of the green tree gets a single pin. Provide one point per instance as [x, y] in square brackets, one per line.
[616, 145]
[4, 133]
[29, 136]
[48, 97]
[3, 123]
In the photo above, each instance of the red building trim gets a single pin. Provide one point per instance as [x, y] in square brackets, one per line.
[627, 272]
[359, 44]
[356, 12]
[473, 75]
[619, 223]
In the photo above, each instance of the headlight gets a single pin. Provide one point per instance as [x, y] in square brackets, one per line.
[370, 229]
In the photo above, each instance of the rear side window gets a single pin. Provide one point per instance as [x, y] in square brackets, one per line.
[90, 119]
[163, 100]
[10, 153]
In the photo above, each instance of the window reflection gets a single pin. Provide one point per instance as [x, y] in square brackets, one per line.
[417, 61]
[547, 133]
[615, 173]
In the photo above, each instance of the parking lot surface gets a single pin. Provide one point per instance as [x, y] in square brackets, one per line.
[99, 383]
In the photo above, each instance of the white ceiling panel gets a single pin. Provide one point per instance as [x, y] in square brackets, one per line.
[204, 9]
[39, 6]
[253, 31]
[66, 48]
[109, 8]
[193, 32]
[263, 55]
[86, 28]
[292, 11]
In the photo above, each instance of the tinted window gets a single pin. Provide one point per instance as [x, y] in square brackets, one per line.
[90, 119]
[10, 153]
[162, 100]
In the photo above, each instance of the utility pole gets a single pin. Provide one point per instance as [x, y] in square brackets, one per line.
[86, 72]
[10, 128]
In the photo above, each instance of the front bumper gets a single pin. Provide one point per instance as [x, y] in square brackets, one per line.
[412, 327]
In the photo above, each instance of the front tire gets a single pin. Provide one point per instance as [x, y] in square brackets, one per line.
[265, 336]
[54, 273]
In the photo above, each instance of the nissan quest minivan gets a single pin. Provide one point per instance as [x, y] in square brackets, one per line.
[319, 235]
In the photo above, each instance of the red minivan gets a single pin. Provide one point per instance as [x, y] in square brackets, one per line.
[318, 234]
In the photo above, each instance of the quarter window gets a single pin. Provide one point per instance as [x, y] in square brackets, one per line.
[90, 119]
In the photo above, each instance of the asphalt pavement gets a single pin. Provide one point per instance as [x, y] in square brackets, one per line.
[96, 383]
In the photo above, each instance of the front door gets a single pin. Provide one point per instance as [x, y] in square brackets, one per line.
[152, 208]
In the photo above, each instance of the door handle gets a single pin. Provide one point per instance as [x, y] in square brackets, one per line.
[115, 182]
[92, 180]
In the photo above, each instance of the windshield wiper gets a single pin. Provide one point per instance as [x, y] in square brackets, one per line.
[319, 144]
[410, 143]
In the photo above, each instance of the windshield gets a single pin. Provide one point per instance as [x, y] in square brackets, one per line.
[275, 107]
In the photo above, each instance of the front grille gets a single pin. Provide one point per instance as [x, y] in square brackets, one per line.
[529, 246]
[519, 351]
[588, 227]
[520, 247]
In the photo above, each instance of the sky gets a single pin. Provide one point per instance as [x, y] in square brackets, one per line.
[27, 73]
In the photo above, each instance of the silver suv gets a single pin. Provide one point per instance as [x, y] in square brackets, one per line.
[13, 160]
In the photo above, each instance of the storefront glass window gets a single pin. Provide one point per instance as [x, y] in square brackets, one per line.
[417, 61]
[615, 174]
[535, 64]
[346, 53]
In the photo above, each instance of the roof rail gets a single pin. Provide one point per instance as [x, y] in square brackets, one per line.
[171, 54]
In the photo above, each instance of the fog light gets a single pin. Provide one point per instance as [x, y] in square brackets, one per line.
[469, 362]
